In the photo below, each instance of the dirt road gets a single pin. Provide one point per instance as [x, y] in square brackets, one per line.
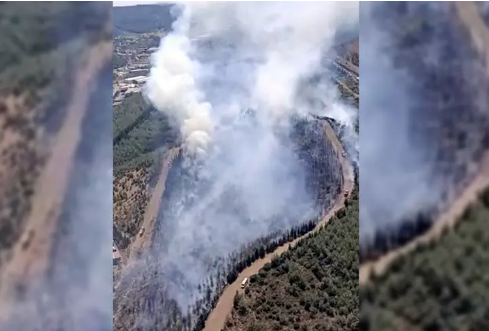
[31, 255]
[446, 219]
[217, 318]
[142, 241]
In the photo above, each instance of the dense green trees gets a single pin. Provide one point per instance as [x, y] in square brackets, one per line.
[139, 131]
[442, 285]
[141, 135]
[313, 286]
[38, 46]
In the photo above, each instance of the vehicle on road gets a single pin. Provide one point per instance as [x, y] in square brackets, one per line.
[343, 154]
[244, 282]
[346, 193]
[141, 232]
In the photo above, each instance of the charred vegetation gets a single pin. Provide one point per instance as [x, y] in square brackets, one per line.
[324, 178]
[448, 119]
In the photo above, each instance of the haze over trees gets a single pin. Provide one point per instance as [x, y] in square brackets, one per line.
[144, 293]
[128, 311]
[51, 56]
[435, 140]
[36, 69]
[441, 285]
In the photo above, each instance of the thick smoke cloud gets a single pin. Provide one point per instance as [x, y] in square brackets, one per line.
[422, 122]
[173, 87]
[259, 55]
[395, 177]
[232, 75]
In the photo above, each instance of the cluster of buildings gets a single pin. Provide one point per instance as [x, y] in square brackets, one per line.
[132, 77]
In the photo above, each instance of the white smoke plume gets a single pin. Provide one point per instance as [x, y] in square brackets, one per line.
[172, 87]
[222, 59]
[270, 47]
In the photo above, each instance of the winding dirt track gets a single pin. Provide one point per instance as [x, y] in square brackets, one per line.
[142, 242]
[446, 220]
[31, 255]
[470, 17]
[217, 318]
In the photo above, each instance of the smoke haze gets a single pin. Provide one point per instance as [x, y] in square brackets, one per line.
[421, 122]
[260, 54]
[233, 76]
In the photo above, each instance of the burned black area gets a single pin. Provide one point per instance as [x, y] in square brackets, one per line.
[317, 159]
[393, 237]
[156, 309]
[449, 90]
[324, 177]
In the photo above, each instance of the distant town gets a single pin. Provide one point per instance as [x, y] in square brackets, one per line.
[132, 62]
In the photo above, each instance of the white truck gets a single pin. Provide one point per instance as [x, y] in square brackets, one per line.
[244, 282]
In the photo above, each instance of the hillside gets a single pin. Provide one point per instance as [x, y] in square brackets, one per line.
[313, 286]
[430, 270]
[146, 287]
[36, 69]
[257, 190]
[142, 18]
[37, 43]
[54, 112]
[446, 145]
[141, 135]
[350, 52]
[316, 153]
[441, 285]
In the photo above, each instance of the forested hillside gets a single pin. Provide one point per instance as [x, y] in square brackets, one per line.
[142, 18]
[316, 152]
[36, 75]
[313, 286]
[55, 148]
[139, 130]
[141, 135]
[38, 45]
[442, 285]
